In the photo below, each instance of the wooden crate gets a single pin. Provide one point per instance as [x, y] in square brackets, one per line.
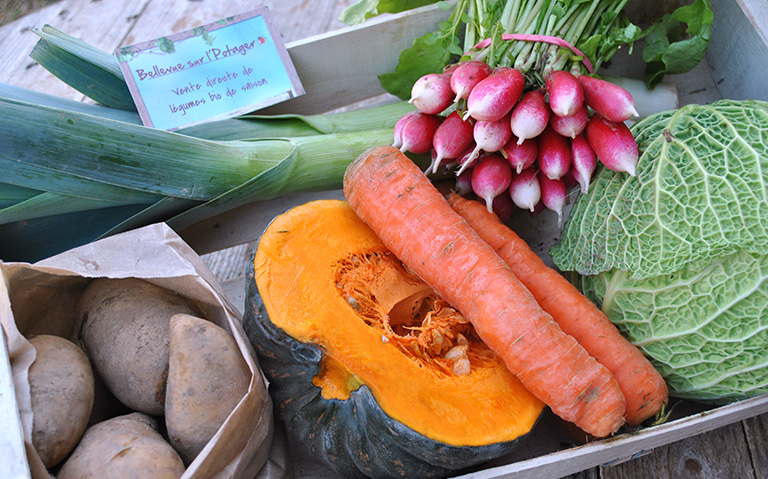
[340, 68]
[740, 24]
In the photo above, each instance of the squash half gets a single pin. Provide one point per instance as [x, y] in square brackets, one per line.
[370, 370]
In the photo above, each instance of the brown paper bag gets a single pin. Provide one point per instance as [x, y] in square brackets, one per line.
[40, 298]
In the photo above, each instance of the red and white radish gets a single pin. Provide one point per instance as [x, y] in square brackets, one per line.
[466, 75]
[450, 68]
[493, 98]
[467, 160]
[449, 165]
[609, 100]
[570, 126]
[451, 139]
[490, 137]
[583, 162]
[530, 116]
[520, 155]
[554, 156]
[418, 132]
[490, 178]
[553, 195]
[524, 189]
[565, 93]
[613, 144]
[432, 93]
[397, 133]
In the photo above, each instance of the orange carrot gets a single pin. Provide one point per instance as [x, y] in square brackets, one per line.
[643, 387]
[393, 196]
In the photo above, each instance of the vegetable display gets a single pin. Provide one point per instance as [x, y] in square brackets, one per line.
[413, 219]
[40, 199]
[346, 298]
[675, 256]
[371, 371]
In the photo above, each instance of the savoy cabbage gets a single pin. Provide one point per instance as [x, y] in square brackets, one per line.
[677, 256]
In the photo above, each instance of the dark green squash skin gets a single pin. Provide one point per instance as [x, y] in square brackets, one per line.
[354, 437]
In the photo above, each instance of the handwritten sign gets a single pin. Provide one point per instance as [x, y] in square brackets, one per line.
[217, 71]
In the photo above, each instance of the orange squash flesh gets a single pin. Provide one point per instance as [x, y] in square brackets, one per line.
[325, 278]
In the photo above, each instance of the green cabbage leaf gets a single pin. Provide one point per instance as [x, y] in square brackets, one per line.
[704, 328]
[700, 193]
[677, 256]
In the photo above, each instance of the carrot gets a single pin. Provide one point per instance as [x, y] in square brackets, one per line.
[643, 387]
[414, 220]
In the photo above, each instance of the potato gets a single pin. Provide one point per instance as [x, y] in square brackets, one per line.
[124, 447]
[207, 377]
[125, 330]
[61, 388]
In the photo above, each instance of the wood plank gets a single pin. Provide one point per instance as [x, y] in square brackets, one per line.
[244, 224]
[100, 24]
[723, 453]
[739, 47]
[294, 20]
[17, 40]
[756, 432]
[342, 67]
[298, 20]
[231, 265]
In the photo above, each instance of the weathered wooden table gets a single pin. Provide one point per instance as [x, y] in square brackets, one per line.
[738, 450]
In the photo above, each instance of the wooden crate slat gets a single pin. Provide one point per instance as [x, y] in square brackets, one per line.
[342, 67]
[625, 446]
[739, 49]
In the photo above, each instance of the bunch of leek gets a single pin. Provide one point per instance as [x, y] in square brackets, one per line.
[76, 172]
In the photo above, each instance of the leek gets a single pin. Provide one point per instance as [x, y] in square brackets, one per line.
[82, 162]
[75, 172]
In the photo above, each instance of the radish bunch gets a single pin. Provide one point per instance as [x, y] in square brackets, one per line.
[517, 144]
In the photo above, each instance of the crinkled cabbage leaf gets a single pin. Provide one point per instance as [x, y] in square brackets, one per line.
[704, 328]
[701, 192]
[677, 257]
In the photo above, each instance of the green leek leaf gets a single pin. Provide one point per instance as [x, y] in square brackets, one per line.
[85, 68]
[12, 92]
[311, 166]
[157, 212]
[75, 172]
[128, 155]
[48, 204]
[12, 194]
[38, 238]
